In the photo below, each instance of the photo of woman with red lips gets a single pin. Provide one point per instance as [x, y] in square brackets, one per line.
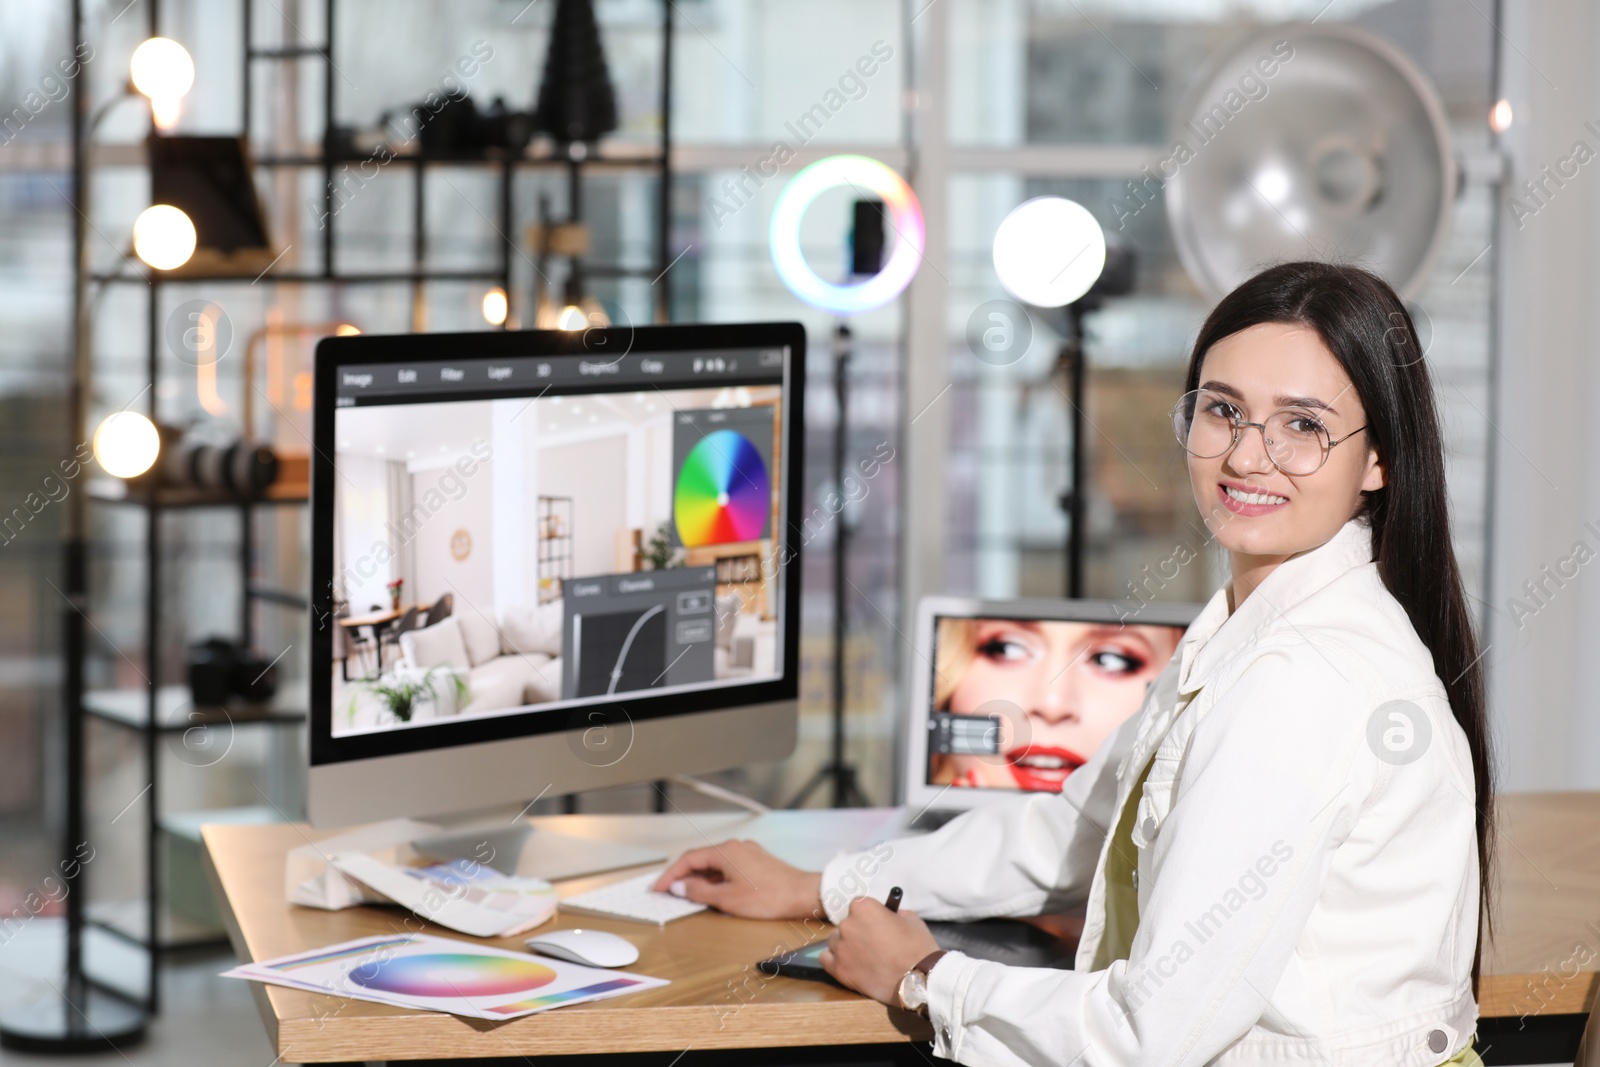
[1058, 688]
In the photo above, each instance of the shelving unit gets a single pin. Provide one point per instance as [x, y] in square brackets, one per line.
[157, 710]
[741, 573]
[112, 492]
[176, 714]
[555, 546]
[160, 711]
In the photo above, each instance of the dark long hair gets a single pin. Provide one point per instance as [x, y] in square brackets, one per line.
[1368, 330]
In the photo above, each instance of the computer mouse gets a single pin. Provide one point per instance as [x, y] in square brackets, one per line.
[594, 948]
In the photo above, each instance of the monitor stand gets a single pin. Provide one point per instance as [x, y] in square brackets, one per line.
[514, 847]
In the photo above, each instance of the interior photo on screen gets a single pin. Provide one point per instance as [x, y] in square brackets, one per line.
[1022, 703]
[493, 556]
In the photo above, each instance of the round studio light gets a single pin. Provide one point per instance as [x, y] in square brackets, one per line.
[572, 318]
[1049, 251]
[163, 237]
[126, 444]
[495, 306]
[345, 329]
[865, 176]
[161, 69]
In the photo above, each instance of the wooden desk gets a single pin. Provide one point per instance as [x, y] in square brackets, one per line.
[1548, 917]
[1545, 954]
[718, 999]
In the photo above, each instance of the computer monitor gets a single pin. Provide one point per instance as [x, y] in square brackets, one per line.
[1014, 695]
[550, 561]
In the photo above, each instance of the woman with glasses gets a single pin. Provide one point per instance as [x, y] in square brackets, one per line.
[1281, 858]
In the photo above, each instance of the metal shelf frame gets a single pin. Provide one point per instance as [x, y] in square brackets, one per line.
[81, 705]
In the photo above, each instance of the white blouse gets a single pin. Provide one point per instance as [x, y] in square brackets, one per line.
[1307, 864]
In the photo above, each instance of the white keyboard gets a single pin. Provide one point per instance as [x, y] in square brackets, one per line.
[633, 899]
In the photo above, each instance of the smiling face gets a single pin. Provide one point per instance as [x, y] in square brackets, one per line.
[1262, 369]
[1059, 688]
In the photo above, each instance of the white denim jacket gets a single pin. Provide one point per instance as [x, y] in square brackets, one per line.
[1307, 865]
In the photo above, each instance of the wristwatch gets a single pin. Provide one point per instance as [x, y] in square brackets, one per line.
[913, 992]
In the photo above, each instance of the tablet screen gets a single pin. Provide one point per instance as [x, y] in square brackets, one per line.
[1020, 704]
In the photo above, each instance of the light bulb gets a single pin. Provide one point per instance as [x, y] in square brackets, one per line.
[164, 111]
[126, 444]
[346, 330]
[1500, 116]
[162, 70]
[495, 306]
[163, 237]
[1273, 183]
[572, 318]
[1049, 251]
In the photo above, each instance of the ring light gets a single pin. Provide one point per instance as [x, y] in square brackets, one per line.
[1049, 251]
[864, 175]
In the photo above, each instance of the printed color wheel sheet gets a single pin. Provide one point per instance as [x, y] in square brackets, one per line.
[441, 974]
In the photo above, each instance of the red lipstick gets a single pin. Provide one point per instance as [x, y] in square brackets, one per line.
[1042, 768]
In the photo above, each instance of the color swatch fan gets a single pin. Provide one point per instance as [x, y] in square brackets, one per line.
[723, 493]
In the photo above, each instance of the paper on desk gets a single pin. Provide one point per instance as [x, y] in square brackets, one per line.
[462, 895]
[443, 974]
[310, 880]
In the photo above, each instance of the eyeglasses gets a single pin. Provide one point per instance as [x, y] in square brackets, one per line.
[1209, 424]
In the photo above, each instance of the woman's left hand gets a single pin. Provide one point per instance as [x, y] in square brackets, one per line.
[874, 948]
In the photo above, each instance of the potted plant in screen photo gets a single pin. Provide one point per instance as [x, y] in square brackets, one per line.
[403, 693]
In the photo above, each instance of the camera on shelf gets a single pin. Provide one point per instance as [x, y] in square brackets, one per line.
[220, 670]
[238, 468]
[457, 128]
[224, 468]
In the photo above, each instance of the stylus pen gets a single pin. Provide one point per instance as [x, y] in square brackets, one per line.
[893, 902]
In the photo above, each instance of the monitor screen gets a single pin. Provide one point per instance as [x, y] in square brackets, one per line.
[520, 539]
[1020, 703]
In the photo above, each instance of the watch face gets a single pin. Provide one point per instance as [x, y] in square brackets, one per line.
[913, 991]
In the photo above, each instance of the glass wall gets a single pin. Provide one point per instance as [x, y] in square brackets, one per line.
[35, 293]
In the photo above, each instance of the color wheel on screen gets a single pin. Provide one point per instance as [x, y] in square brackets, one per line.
[723, 492]
[452, 974]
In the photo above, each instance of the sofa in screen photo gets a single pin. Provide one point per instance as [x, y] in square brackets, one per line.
[517, 661]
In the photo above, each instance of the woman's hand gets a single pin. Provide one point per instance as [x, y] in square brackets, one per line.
[874, 948]
[744, 879]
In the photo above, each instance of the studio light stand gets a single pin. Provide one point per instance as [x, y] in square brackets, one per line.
[865, 251]
[1116, 279]
[1074, 499]
[874, 281]
[846, 786]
